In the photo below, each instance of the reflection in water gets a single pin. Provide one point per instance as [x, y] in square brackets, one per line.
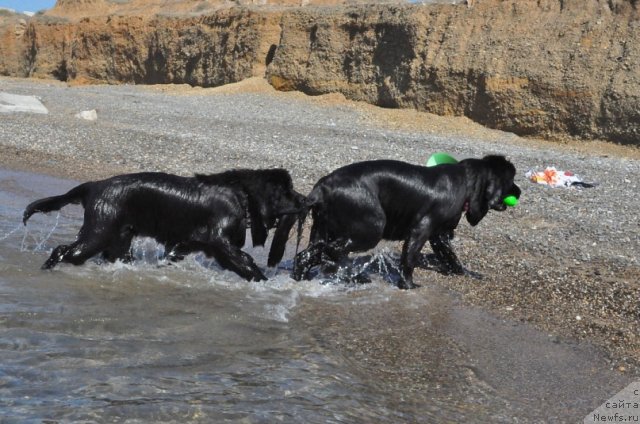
[190, 342]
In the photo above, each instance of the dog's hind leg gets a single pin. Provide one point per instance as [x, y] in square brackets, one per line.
[76, 253]
[411, 252]
[320, 253]
[88, 244]
[120, 246]
[307, 259]
[335, 253]
[57, 255]
[441, 245]
[228, 256]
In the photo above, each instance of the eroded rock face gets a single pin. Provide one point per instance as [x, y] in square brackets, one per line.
[534, 67]
[207, 50]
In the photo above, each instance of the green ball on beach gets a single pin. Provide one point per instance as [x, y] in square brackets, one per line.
[440, 158]
[510, 200]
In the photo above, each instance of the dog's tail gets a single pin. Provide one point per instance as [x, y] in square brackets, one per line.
[54, 203]
[281, 236]
[311, 200]
[288, 220]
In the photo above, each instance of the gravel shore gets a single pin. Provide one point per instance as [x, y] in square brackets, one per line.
[565, 260]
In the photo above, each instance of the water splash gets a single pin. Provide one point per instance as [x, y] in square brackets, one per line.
[24, 239]
[148, 257]
[49, 234]
[360, 270]
[146, 250]
[39, 242]
[11, 232]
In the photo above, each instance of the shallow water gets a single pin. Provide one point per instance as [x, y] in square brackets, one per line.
[151, 342]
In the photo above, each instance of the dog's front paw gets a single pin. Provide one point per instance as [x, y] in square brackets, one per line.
[448, 269]
[298, 271]
[473, 274]
[407, 284]
[49, 264]
[177, 253]
[57, 255]
[172, 257]
[258, 275]
[296, 275]
[359, 279]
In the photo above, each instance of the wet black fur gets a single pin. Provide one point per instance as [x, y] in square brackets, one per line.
[356, 206]
[208, 213]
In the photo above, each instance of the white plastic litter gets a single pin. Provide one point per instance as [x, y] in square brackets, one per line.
[89, 115]
[15, 103]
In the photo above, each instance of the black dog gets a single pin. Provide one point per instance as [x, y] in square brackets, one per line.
[356, 206]
[203, 213]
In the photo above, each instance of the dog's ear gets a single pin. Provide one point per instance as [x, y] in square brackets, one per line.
[270, 195]
[478, 202]
[261, 188]
[490, 179]
[481, 187]
[280, 237]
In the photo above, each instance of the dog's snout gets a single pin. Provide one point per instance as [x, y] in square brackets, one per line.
[515, 191]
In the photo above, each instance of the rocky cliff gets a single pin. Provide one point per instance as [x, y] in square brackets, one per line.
[206, 50]
[543, 67]
[534, 67]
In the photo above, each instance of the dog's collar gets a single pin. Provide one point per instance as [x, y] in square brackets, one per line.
[465, 207]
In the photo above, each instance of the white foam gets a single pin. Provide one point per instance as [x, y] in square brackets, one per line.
[281, 307]
[274, 299]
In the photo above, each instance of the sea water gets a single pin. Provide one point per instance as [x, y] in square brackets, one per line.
[189, 342]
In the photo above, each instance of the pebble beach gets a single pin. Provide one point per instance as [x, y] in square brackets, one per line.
[565, 260]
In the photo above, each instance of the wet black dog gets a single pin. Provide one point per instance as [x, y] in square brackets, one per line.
[208, 213]
[356, 206]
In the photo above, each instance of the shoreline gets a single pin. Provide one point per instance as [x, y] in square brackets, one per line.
[562, 261]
